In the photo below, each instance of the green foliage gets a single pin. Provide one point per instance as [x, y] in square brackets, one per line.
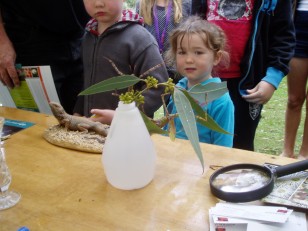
[131, 96]
[152, 127]
[187, 109]
[187, 117]
[201, 116]
[112, 84]
[130, 4]
[270, 133]
[213, 91]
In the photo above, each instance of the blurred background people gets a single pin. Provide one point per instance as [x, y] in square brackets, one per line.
[116, 43]
[297, 85]
[48, 32]
[160, 18]
[261, 40]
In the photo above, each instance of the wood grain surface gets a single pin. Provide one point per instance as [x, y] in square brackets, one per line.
[67, 190]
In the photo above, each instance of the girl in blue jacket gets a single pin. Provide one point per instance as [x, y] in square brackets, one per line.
[197, 47]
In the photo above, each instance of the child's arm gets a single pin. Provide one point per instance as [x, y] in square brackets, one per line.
[264, 90]
[104, 116]
[224, 116]
[260, 94]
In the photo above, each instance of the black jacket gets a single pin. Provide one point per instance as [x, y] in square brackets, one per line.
[271, 43]
[65, 17]
[45, 32]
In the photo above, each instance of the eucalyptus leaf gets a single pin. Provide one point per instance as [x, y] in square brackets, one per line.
[188, 121]
[208, 92]
[202, 117]
[114, 83]
[210, 123]
[196, 107]
[172, 130]
[151, 126]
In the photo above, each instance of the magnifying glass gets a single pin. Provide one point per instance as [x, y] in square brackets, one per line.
[249, 182]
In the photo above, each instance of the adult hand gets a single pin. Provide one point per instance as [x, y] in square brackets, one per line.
[104, 116]
[260, 94]
[8, 73]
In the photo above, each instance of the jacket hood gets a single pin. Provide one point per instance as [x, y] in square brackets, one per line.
[127, 16]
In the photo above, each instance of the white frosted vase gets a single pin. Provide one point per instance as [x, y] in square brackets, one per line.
[128, 154]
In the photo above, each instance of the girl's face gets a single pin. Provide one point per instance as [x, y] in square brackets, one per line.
[194, 59]
[104, 11]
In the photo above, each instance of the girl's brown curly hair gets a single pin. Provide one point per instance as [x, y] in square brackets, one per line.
[212, 35]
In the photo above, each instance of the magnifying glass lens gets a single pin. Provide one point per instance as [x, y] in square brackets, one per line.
[241, 180]
[249, 182]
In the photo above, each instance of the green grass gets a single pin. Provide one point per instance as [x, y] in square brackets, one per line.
[270, 133]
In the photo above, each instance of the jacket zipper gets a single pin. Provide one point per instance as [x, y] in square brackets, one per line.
[92, 71]
[253, 41]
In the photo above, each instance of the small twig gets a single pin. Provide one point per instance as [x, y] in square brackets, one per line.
[150, 70]
[202, 118]
[114, 66]
[164, 120]
[215, 167]
[164, 103]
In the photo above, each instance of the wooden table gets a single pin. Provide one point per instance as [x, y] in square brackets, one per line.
[67, 190]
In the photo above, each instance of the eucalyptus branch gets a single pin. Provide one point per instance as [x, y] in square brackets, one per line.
[150, 70]
[187, 103]
[136, 96]
[164, 103]
[202, 118]
[161, 122]
[114, 66]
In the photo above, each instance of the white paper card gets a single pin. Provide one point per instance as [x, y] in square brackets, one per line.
[253, 212]
[296, 221]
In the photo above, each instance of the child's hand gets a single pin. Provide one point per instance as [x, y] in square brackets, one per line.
[104, 116]
[260, 94]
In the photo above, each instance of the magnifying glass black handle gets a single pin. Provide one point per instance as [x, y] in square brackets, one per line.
[291, 168]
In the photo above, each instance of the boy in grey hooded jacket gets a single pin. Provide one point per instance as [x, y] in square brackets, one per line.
[126, 44]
